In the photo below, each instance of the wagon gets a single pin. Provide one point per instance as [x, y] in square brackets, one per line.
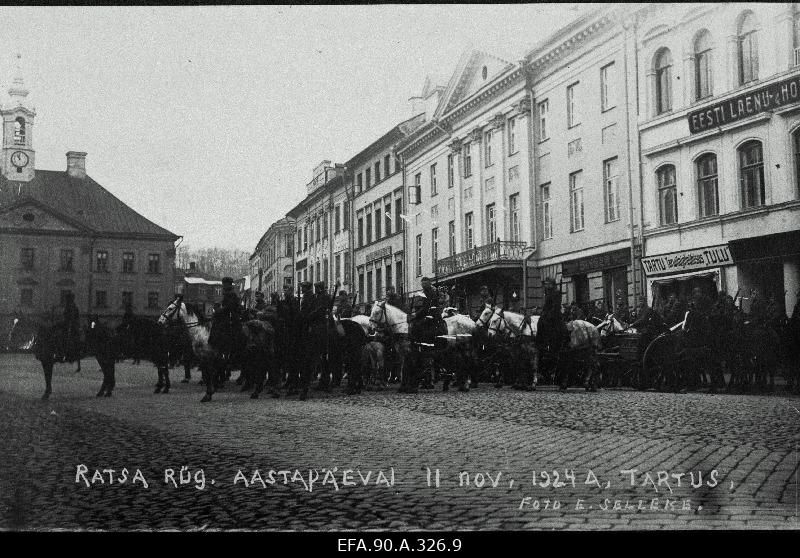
[619, 360]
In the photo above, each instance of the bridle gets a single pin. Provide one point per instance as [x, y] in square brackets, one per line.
[385, 318]
[169, 316]
[480, 322]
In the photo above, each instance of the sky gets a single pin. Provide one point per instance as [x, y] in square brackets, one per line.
[208, 120]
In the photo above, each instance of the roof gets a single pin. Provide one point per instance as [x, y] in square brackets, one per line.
[200, 281]
[393, 135]
[82, 201]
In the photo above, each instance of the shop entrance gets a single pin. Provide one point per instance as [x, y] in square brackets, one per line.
[765, 276]
[682, 287]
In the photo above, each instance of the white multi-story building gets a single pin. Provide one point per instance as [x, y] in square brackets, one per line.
[719, 124]
[272, 261]
[375, 178]
[585, 176]
[467, 169]
[322, 223]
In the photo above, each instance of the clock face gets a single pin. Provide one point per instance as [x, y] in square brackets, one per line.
[19, 159]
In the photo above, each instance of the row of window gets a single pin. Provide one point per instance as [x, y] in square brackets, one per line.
[316, 228]
[752, 192]
[577, 220]
[269, 255]
[469, 235]
[341, 270]
[365, 181]
[365, 281]
[747, 62]
[27, 259]
[26, 298]
[379, 212]
[607, 94]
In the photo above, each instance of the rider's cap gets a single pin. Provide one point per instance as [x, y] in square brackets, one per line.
[426, 279]
[305, 285]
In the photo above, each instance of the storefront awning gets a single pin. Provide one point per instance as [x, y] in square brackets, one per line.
[765, 247]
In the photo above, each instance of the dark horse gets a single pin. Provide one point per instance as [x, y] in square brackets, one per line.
[52, 346]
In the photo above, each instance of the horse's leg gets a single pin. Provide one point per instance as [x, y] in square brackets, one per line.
[160, 383]
[209, 372]
[112, 378]
[166, 380]
[47, 368]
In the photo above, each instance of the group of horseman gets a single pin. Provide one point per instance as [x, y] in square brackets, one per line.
[302, 329]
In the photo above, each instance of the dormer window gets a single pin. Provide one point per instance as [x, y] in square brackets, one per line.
[19, 131]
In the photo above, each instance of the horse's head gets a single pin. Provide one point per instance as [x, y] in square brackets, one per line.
[377, 315]
[486, 315]
[497, 322]
[171, 312]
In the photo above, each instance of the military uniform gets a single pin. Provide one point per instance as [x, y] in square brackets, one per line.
[71, 329]
[289, 313]
[323, 303]
[307, 341]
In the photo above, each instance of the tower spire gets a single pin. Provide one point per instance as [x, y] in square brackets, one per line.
[18, 91]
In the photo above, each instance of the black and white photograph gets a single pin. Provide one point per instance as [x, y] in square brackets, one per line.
[400, 275]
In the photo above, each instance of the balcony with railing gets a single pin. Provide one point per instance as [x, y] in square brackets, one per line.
[499, 252]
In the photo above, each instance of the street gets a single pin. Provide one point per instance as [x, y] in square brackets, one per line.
[616, 459]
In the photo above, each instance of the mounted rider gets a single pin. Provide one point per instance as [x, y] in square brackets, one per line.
[289, 313]
[342, 308]
[226, 325]
[392, 298]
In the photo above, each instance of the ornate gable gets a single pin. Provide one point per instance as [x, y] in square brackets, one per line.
[476, 72]
[29, 215]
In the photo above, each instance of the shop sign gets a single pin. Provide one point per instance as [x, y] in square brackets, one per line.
[380, 253]
[618, 258]
[688, 260]
[763, 99]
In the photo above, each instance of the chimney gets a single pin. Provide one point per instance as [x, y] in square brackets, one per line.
[76, 164]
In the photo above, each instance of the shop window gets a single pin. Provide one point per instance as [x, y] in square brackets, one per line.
[751, 174]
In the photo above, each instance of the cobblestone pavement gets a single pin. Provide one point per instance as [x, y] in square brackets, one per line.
[501, 438]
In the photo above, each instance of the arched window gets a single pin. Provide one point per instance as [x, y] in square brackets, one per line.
[702, 66]
[667, 195]
[663, 67]
[19, 131]
[796, 144]
[748, 49]
[751, 174]
[707, 185]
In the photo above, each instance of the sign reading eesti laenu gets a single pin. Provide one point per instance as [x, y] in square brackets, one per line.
[767, 98]
[687, 260]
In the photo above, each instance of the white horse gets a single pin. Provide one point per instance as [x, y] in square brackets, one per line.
[394, 322]
[524, 356]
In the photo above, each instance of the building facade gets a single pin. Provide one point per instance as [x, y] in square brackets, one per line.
[467, 171]
[199, 289]
[376, 179]
[584, 169]
[322, 230]
[61, 232]
[272, 261]
[719, 125]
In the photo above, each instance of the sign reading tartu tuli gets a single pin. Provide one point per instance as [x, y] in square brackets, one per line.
[770, 97]
[687, 260]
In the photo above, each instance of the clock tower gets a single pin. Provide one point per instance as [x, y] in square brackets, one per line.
[18, 154]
